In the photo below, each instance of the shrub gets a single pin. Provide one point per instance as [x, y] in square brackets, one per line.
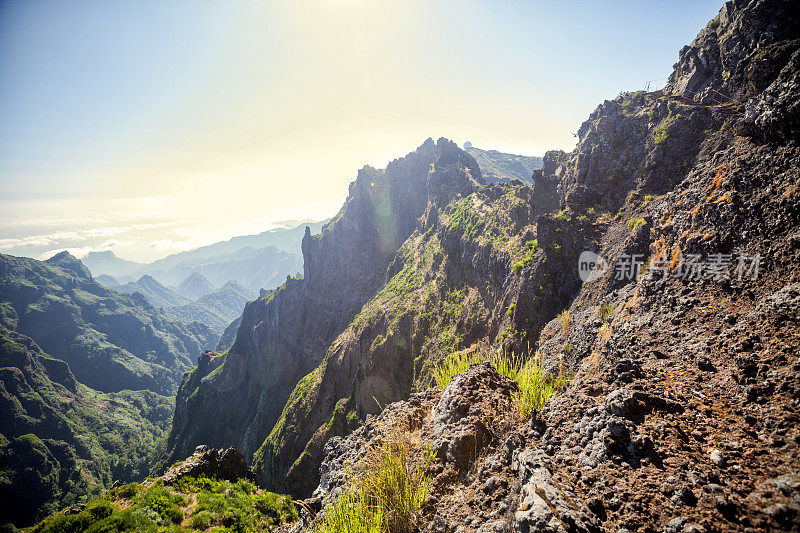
[201, 520]
[127, 520]
[99, 509]
[165, 505]
[126, 491]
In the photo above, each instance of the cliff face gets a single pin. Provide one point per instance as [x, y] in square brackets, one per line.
[683, 414]
[237, 398]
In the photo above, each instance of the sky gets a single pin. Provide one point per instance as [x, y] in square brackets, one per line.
[150, 127]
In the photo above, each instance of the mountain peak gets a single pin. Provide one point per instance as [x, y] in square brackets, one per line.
[196, 285]
[69, 262]
[147, 279]
[105, 254]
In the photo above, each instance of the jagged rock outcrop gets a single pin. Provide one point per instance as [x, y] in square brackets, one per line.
[738, 54]
[227, 464]
[285, 334]
[453, 282]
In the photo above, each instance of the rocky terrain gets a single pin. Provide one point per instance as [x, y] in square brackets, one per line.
[682, 415]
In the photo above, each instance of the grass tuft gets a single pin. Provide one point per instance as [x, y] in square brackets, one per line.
[388, 494]
[536, 386]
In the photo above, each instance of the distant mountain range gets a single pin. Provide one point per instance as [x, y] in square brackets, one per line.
[254, 261]
[156, 293]
[112, 341]
[195, 299]
[499, 167]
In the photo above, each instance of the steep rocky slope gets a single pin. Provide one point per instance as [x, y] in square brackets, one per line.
[236, 397]
[683, 415]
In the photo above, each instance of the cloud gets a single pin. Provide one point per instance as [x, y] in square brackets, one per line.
[80, 253]
[66, 238]
[83, 251]
[51, 239]
[163, 245]
[112, 243]
[116, 230]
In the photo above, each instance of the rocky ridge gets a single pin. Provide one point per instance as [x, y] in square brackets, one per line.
[683, 413]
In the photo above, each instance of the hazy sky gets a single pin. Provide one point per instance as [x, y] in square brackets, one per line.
[151, 127]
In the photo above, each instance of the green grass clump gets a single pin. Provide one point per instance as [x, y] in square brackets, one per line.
[387, 496]
[352, 512]
[535, 385]
[635, 223]
[453, 365]
[605, 311]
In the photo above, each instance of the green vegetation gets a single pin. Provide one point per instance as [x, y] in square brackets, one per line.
[190, 504]
[110, 341]
[532, 247]
[388, 494]
[464, 219]
[95, 437]
[535, 385]
[661, 132]
[604, 312]
[635, 223]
